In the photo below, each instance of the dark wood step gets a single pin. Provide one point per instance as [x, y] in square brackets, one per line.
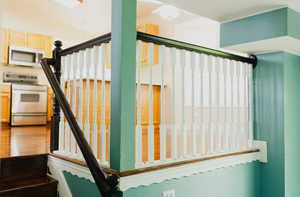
[33, 187]
[23, 166]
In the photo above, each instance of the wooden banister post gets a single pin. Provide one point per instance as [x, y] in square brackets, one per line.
[55, 119]
[123, 85]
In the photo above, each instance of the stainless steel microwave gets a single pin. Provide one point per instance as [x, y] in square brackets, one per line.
[25, 56]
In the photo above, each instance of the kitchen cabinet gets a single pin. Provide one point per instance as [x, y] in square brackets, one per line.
[5, 91]
[149, 29]
[24, 39]
[50, 104]
[88, 107]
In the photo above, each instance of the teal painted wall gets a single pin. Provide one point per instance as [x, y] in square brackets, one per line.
[269, 120]
[277, 23]
[259, 27]
[293, 23]
[292, 124]
[81, 187]
[238, 181]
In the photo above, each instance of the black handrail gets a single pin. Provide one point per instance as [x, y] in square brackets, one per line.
[88, 44]
[107, 186]
[162, 41]
[191, 47]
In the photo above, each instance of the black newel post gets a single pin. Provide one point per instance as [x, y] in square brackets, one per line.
[56, 109]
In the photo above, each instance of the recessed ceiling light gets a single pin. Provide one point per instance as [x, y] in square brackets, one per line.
[69, 3]
[151, 1]
[167, 12]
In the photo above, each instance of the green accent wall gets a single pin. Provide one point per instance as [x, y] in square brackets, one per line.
[123, 85]
[292, 124]
[81, 187]
[273, 24]
[259, 27]
[269, 120]
[238, 181]
[293, 23]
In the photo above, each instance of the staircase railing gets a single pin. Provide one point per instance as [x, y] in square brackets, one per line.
[160, 137]
[107, 185]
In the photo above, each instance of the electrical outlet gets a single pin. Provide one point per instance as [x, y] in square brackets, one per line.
[169, 193]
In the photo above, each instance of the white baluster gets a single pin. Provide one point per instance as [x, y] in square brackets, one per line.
[218, 142]
[103, 104]
[211, 107]
[174, 133]
[250, 105]
[78, 99]
[183, 126]
[81, 95]
[238, 108]
[73, 99]
[151, 126]
[138, 133]
[233, 128]
[163, 142]
[95, 64]
[87, 89]
[202, 63]
[193, 128]
[62, 118]
[245, 104]
[68, 96]
[226, 105]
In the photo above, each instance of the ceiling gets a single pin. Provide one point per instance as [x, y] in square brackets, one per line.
[224, 10]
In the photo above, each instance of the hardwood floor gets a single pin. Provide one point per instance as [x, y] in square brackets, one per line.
[21, 141]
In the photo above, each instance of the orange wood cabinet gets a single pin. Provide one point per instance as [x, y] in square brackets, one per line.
[149, 29]
[24, 39]
[5, 103]
[145, 109]
[50, 104]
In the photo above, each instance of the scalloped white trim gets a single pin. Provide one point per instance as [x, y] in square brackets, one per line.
[57, 173]
[74, 169]
[158, 176]
[162, 175]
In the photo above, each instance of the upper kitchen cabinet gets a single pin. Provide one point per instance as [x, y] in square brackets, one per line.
[40, 42]
[24, 39]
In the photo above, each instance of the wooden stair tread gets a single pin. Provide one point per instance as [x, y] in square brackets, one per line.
[26, 176]
[7, 186]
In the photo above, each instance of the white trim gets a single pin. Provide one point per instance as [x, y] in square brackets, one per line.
[74, 169]
[57, 173]
[148, 178]
[158, 176]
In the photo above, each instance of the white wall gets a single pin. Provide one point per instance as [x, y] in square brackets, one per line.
[187, 28]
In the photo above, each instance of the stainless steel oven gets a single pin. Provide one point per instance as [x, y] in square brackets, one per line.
[29, 105]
